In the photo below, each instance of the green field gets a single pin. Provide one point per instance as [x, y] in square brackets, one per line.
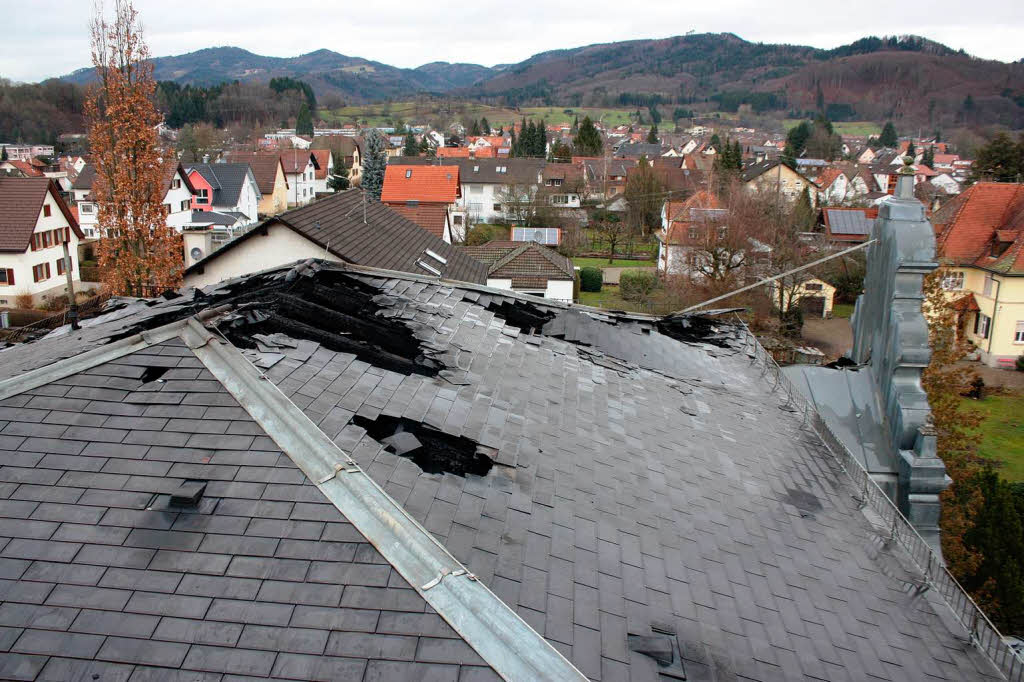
[1002, 432]
[856, 128]
[842, 310]
[386, 113]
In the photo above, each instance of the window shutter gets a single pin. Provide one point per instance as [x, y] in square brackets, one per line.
[47, 271]
[977, 320]
[10, 275]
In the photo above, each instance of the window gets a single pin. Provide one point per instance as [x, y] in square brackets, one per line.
[953, 281]
[60, 266]
[812, 286]
[408, 173]
[86, 209]
[202, 196]
[692, 233]
[981, 325]
[988, 285]
[46, 210]
[457, 219]
[723, 231]
[560, 199]
[6, 277]
[497, 207]
[176, 183]
[40, 272]
[1018, 334]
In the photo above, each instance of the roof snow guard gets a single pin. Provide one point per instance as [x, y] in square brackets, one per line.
[511, 647]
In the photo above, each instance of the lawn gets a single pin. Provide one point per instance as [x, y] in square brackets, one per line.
[557, 115]
[385, 113]
[855, 128]
[608, 298]
[1002, 432]
[842, 310]
[617, 263]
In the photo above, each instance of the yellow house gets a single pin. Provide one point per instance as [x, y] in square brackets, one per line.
[776, 177]
[269, 173]
[980, 238]
[814, 296]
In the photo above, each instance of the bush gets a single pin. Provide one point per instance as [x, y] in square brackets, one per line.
[1020, 363]
[591, 279]
[637, 285]
[792, 322]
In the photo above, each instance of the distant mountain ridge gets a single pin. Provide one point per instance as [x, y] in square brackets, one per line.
[327, 71]
[904, 77]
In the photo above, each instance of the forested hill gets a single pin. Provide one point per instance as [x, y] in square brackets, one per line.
[328, 72]
[873, 78]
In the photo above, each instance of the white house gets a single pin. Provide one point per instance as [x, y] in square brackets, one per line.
[177, 199]
[527, 268]
[36, 222]
[946, 183]
[300, 171]
[487, 183]
[324, 168]
[228, 188]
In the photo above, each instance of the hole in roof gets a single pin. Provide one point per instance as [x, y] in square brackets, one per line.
[152, 374]
[433, 451]
[340, 313]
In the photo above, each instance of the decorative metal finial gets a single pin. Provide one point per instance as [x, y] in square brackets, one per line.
[908, 162]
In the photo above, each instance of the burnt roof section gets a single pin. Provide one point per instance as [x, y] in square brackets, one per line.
[385, 240]
[21, 201]
[645, 483]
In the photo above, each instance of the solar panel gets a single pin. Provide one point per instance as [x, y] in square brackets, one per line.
[849, 222]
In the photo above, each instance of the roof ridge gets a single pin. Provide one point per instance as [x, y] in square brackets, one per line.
[508, 257]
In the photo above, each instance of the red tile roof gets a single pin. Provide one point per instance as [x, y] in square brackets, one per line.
[680, 216]
[264, 169]
[27, 168]
[466, 152]
[984, 216]
[426, 184]
[322, 157]
[295, 160]
[431, 217]
[827, 177]
[21, 201]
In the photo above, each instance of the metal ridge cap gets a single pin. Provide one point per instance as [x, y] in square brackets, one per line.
[506, 642]
[89, 359]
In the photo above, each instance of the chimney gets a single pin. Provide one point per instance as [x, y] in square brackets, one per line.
[890, 335]
[198, 244]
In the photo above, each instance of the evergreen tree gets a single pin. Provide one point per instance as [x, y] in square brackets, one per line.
[1000, 160]
[888, 138]
[652, 137]
[3, 153]
[655, 115]
[587, 141]
[804, 216]
[412, 147]
[374, 163]
[501, 131]
[485, 126]
[716, 142]
[928, 158]
[788, 155]
[737, 155]
[339, 175]
[541, 141]
[575, 126]
[911, 150]
[474, 129]
[304, 122]
[797, 138]
[514, 144]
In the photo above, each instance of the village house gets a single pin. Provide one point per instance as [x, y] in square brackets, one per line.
[844, 183]
[300, 167]
[526, 268]
[428, 196]
[563, 184]
[270, 180]
[684, 225]
[342, 227]
[606, 178]
[228, 188]
[177, 200]
[775, 177]
[980, 236]
[26, 152]
[34, 224]
[814, 297]
[324, 168]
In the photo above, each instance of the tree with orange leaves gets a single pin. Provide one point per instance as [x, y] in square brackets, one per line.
[139, 254]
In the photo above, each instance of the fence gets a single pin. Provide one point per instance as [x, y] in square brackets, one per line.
[982, 632]
[60, 319]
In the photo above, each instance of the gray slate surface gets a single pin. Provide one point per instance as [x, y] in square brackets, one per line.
[633, 487]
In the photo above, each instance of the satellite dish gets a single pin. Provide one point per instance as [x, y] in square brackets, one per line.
[196, 253]
[538, 236]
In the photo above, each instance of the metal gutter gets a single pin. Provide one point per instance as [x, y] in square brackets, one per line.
[510, 646]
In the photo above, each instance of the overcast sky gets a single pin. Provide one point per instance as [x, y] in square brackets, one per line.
[44, 38]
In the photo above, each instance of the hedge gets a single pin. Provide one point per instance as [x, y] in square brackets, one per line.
[590, 279]
[637, 285]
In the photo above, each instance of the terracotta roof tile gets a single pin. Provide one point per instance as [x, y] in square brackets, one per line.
[431, 217]
[264, 168]
[967, 226]
[426, 184]
[323, 160]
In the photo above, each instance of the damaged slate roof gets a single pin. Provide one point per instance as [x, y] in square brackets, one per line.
[639, 498]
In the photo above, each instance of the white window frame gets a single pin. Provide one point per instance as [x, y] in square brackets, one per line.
[1018, 334]
[953, 280]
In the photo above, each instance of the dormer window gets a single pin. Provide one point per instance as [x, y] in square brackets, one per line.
[408, 173]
